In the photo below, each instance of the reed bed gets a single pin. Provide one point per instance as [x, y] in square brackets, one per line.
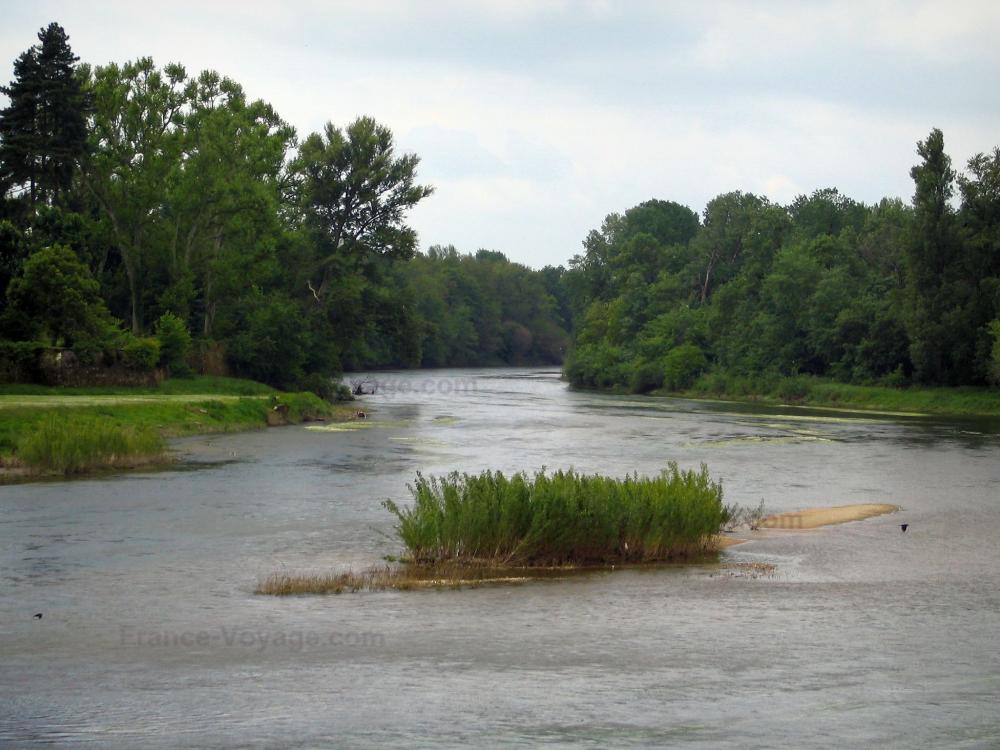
[72, 444]
[563, 518]
[385, 578]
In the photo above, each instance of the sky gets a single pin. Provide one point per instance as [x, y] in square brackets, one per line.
[534, 120]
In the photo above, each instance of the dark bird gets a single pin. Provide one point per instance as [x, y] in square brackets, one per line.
[38, 616]
[361, 415]
[903, 526]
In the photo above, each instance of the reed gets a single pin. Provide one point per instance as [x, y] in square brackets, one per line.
[391, 577]
[562, 518]
[73, 444]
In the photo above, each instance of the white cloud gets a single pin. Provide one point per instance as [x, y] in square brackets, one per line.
[534, 120]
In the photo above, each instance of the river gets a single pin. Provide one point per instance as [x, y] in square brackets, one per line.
[862, 635]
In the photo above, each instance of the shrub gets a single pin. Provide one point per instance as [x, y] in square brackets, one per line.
[325, 387]
[994, 364]
[647, 377]
[682, 365]
[175, 343]
[19, 360]
[792, 389]
[140, 353]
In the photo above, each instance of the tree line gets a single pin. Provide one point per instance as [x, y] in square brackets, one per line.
[151, 217]
[889, 293]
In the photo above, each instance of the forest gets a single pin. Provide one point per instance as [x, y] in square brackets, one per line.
[152, 218]
[156, 219]
[886, 294]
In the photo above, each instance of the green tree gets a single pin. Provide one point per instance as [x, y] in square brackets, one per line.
[355, 194]
[175, 342]
[135, 144]
[43, 129]
[58, 300]
[935, 341]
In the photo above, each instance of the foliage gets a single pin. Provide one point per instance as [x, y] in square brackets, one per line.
[140, 353]
[42, 130]
[56, 299]
[682, 365]
[995, 353]
[175, 343]
[826, 286]
[560, 518]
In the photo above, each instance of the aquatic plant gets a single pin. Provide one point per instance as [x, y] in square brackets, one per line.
[560, 518]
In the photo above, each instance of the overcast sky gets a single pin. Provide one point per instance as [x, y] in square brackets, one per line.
[534, 120]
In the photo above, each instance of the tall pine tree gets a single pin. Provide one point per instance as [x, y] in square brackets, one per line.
[43, 130]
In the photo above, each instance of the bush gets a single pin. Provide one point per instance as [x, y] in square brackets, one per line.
[994, 364]
[141, 354]
[647, 377]
[792, 389]
[560, 518]
[325, 387]
[682, 365]
[175, 344]
[19, 360]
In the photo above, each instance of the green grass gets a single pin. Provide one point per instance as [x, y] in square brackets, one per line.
[199, 385]
[811, 391]
[564, 518]
[70, 444]
[31, 419]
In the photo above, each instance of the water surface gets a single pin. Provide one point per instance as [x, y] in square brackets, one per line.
[152, 637]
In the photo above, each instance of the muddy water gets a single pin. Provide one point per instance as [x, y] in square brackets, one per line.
[151, 635]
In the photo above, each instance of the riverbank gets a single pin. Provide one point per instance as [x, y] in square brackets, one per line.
[818, 392]
[46, 432]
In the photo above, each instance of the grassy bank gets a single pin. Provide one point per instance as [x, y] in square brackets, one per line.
[46, 431]
[809, 391]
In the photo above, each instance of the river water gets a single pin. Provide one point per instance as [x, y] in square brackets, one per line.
[151, 635]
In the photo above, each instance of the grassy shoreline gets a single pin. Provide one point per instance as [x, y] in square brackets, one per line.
[50, 432]
[965, 401]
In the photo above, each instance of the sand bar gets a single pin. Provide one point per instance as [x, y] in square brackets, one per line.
[816, 517]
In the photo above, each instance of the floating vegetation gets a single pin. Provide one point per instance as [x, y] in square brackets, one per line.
[340, 426]
[747, 570]
[758, 439]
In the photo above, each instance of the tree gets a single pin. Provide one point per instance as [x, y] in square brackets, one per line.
[43, 131]
[727, 227]
[933, 330]
[224, 188]
[59, 299]
[135, 143]
[355, 193]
